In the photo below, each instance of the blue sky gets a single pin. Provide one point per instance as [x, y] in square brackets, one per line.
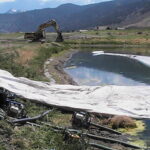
[5, 5]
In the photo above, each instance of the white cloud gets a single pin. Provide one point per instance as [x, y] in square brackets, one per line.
[82, 2]
[3, 1]
[70, 1]
[45, 0]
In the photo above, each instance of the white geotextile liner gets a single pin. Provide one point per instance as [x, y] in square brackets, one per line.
[132, 101]
[142, 59]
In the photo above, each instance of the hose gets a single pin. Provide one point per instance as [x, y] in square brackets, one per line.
[100, 146]
[97, 137]
[111, 140]
[105, 128]
[33, 119]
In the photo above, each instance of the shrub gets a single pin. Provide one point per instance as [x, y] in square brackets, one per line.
[122, 122]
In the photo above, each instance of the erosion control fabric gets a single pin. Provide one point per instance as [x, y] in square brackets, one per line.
[132, 101]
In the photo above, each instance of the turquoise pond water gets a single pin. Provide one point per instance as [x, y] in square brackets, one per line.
[87, 69]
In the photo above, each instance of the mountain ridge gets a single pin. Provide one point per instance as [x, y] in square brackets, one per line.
[74, 17]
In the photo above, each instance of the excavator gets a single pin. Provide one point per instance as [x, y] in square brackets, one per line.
[40, 34]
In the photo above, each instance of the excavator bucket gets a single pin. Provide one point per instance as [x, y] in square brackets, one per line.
[59, 38]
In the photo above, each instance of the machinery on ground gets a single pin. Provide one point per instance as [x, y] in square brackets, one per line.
[40, 34]
[83, 119]
[9, 106]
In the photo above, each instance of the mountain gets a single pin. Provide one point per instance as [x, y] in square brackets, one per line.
[73, 17]
[110, 13]
[14, 11]
[145, 22]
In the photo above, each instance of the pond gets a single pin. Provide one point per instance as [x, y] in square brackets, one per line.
[87, 69]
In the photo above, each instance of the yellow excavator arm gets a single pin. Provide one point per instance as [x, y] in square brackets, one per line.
[48, 24]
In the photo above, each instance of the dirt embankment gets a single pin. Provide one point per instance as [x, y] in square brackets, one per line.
[53, 68]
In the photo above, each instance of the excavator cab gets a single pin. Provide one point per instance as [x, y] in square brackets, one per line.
[34, 36]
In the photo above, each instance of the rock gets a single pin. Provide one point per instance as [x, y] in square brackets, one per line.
[2, 114]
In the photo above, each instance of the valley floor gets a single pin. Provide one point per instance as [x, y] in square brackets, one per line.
[22, 58]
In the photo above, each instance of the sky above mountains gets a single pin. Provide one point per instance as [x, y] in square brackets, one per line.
[6, 5]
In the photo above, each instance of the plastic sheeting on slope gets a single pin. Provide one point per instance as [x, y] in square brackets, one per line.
[132, 101]
[142, 59]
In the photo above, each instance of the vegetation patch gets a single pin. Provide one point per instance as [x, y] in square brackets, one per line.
[140, 127]
[121, 122]
[140, 143]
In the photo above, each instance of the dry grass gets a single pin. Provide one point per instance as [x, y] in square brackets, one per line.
[25, 57]
[111, 41]
[26, 53]
[134, 41]
[121, 122]
[61, 119]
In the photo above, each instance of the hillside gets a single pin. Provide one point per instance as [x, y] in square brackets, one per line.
[137, 20]
[73, 17]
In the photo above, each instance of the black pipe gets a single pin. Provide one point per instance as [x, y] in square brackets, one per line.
[52, 126]
[105, 128]
[93, 137]
[33, 119]
[100, 146]
[96, 137]
[111, 140]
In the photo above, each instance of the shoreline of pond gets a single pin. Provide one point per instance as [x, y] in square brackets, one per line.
[56, 66]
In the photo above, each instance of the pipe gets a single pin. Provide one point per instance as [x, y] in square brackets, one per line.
[93, 137]
[111, 140]
[105, 128]
[52, 126]
[100, 146]
[24, 120]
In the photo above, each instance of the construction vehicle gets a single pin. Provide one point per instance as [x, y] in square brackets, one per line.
[40, 34]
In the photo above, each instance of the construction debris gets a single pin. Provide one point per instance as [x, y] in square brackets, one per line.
[82, 119]
[2, 114]
[80, 134]
[10, 105]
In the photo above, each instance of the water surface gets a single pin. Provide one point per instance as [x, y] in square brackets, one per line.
[87, 69]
